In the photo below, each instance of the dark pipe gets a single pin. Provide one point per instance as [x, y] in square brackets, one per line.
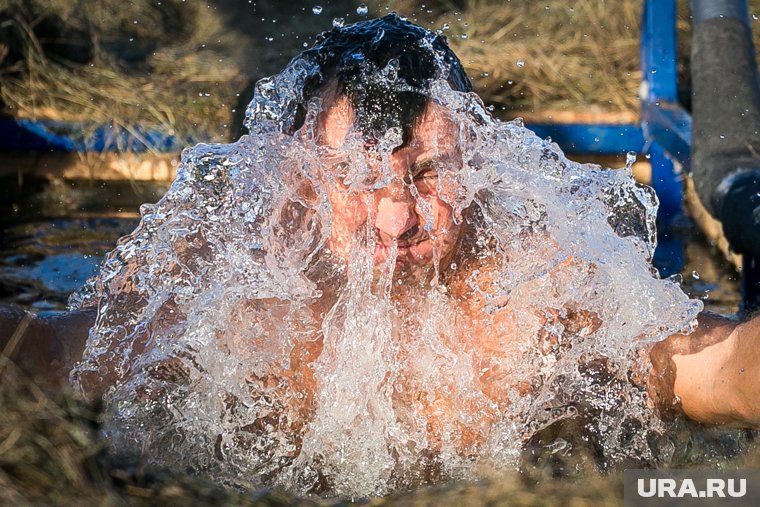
[702, 10]
[725, 157]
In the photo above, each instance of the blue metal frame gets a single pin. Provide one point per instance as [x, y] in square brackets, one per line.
[666, 126]
[47, 135]
[665, 123]
[603, 139]
[664, 133]
[43, 135]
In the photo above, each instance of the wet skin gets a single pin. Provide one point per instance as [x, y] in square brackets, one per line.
[713, 375]
[409, 213]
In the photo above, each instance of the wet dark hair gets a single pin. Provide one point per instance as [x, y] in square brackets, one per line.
[385, 67]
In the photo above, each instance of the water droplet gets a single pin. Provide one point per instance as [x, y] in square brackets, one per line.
[463, 36]
[317, 9]
[232, 195]
[695, 275]
[754, 16]
[630, 158]
[445, 27]
[338, 22]
[520, 63]
[362, 10]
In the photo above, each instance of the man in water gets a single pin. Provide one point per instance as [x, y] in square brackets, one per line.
[408, 203]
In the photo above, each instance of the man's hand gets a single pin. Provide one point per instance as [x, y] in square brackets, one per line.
[713, 374]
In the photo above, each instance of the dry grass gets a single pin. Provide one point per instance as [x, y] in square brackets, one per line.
[551, 55]
[554, 55]
[179, 68]
[132, 72]
[50, 455]
[47, 447]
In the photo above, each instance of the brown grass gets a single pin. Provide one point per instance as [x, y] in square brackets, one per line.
[177, 87]
[50, 455]
[551, 55]
[578, 55]
[523, 56]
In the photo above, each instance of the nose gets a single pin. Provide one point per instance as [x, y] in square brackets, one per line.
[396, 215]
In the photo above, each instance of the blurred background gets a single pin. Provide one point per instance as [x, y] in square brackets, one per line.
[183, 64]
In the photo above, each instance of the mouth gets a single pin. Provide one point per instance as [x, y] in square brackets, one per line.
[403, 250]
[407, 240]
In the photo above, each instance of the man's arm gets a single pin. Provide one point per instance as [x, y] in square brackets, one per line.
[44, 347]
[713, 374]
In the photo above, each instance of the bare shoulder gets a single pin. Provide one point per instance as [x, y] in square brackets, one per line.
[44, 347]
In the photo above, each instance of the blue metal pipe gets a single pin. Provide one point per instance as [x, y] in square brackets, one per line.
[18, 134]
[659, 88]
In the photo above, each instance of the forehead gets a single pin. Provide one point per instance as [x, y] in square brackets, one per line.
[435, 131]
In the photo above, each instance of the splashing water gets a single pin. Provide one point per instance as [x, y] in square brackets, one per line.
[240, 343]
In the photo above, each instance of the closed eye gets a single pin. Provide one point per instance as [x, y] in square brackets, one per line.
[426, 181]
[430, 174]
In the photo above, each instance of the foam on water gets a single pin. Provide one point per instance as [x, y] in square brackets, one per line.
[238, 346]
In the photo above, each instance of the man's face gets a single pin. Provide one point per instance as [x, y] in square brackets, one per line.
[407, 207]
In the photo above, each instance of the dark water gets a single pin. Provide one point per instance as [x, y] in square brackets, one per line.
[54, 235]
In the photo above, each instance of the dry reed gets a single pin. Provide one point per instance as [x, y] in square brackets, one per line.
[177, 87]
[523, 56]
